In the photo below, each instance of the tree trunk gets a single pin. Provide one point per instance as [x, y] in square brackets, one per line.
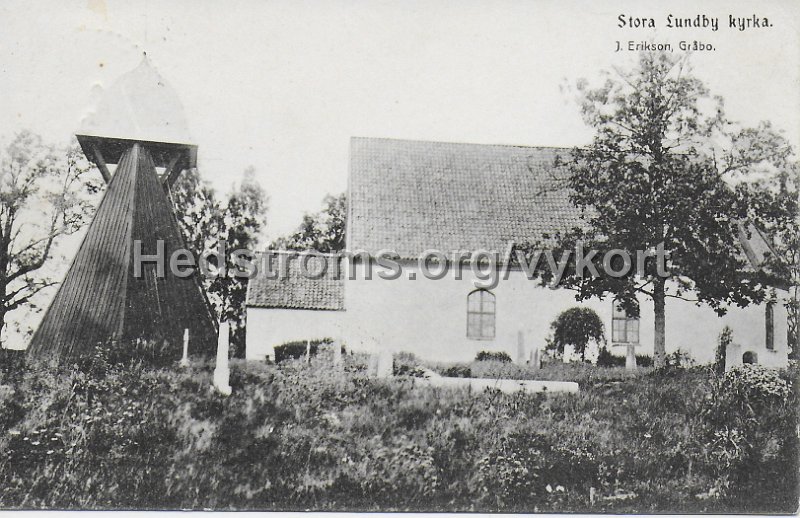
[659, 345]
[2, 327]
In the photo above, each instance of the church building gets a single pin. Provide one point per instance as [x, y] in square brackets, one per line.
[413, 196]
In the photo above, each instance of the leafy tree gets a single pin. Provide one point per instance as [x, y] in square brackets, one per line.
[576, 327]
[322, 231]
[777, 193]
[45, 194]
[237, 222]
[660, 170]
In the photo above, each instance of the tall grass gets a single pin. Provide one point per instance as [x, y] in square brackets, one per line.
[104, 434]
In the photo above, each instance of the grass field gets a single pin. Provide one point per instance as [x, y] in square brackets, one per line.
[298, 436]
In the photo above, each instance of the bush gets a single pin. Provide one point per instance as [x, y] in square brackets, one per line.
[606, 359]
[296, 350]
[497, 356]
[678, 359]
[747, 434]
[457, 371]
[720, 355]
[406, 364]
[752, 384]
[576, 327]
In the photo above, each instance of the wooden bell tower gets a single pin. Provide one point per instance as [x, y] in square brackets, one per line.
[139, 126]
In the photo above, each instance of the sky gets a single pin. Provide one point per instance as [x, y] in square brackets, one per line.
[283, 85]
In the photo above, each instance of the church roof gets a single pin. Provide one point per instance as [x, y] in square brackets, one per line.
[140, 106]
[293, 290]
[409, 196]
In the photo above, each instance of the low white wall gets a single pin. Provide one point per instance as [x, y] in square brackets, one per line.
[267, 328]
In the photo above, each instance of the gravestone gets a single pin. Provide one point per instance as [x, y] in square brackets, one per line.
[630, 357]
[222, 372]
[385, 364]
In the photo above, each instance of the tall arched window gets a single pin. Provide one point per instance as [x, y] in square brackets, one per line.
[480, 315]
[770, 321]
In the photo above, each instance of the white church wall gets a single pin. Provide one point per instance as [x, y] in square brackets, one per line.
[429, 318]
[268, 327]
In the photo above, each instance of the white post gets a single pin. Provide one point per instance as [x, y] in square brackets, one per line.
[733, 356]
[308, 351]
[630, 358]
[385, 364]
[535, 362]
[337, 354]
[520, 347]
[222, 372]
[185, 357]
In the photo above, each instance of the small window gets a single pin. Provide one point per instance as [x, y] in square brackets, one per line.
[480, 315]
[770, 323]
[624, 329]
[750, 358]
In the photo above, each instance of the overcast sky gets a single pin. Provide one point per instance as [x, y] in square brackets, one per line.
[283, 85]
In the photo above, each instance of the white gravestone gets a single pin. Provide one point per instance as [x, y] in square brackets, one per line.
[630, 358]
[222, 373]
[185, 357]
[385, 368]
[521, 348]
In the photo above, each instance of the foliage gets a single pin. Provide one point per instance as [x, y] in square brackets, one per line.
[297, 349]
[678, 359]
[45, 194]
[298, 435]
[753, 384]
[407, 364]
[457, 371]
[217, 229]
[777, 193]
[748, 432]
[658, 173]
[498, 356]
[606, 359]
[323, 231]
[576, 327]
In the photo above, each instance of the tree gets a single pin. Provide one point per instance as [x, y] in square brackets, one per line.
[45, 193]
[576, 327]
[660, 170]
[206, 223]
[777, 193]
[322, 231]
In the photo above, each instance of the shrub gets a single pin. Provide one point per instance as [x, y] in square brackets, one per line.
[457, 371]
[406, 364]
[678, 359]
[606, 359]
[720, 355]
[576, 327]
[297, 349]
[498, 356]
[510, 474]
[752, 384]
